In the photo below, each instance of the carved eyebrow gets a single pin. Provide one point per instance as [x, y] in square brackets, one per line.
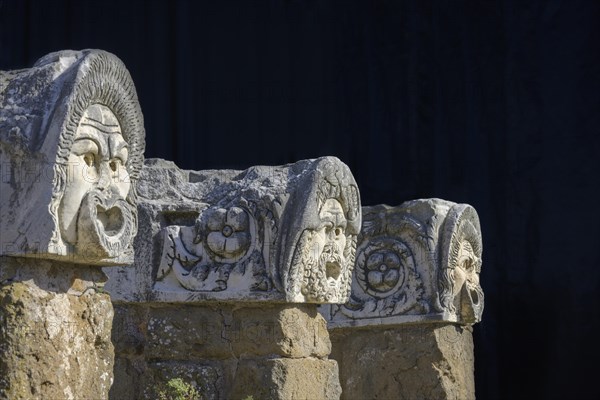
[337, 218]
[100, 122]
[328, 217]
[333, 221]
[118, 150]
[103, 128]
[94, 136]
[86, 144]
[121, 145]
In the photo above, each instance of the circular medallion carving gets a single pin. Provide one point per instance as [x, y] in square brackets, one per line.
[227, 232]
[382, 266]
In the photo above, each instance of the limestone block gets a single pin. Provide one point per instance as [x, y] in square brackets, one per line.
[71, 149]
[192, 333]
[284, 378]
[406, 362]
[417, 262]
[211, 379]
[130, 329]
[55, 331]
[129, 379]
[211, 346]
[220, 331]
[285, 233]
[278, 330]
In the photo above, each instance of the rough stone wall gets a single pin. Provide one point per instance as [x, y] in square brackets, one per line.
[225, 350]
[420, 361]
[55, 331]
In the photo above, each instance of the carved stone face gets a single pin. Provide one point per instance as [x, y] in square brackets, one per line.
[94, 214]
[326, 261]
[467, 292]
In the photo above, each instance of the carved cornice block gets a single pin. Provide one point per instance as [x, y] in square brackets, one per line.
[285, 233]
[417, 262]
[71, 148]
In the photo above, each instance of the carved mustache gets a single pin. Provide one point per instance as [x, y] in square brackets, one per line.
[332, 252]
[332, 260]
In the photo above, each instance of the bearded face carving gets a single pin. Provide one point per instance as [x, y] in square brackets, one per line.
[324, 255]
[460, 290]
[94, 214]
[321, 260]
[467, 292]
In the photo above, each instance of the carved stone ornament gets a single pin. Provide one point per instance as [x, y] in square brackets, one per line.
[71, 149]
[285, 233]
[419, 261]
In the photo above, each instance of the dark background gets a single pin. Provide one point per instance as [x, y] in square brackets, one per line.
[496, 104]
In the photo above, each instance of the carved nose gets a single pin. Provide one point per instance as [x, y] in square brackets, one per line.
[104, 181]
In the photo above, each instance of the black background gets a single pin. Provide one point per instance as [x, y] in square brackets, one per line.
[496, 104]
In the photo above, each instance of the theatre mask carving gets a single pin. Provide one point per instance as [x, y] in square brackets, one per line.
[74, 125]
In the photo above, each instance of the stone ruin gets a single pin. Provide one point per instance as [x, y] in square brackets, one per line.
[71, 150]
[406, 330]
[119, 276]
[231, 269]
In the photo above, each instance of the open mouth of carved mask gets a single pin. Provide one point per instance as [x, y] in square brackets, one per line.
[105, 225]
[474, 296]
[332, 261]
[472, 293]
[333, 270]
[110, 220]
[471, 303]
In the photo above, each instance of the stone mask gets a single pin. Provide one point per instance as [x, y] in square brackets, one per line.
[93, 212]
[328, 244]
[324, 256]
[318, 269]
[468, 295]
[71, 149]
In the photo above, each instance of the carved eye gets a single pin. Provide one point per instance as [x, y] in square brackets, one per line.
[114, 165]
[338, 231]
[89, 159]
[468, 264]
[328, 227]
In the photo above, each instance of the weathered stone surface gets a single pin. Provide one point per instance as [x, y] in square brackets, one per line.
[405, 333]
[129, 378]
[223, 331]
[186, 333]
[262, 378]
[278, 330]
[71, 148]
[129, 329]
[211, 379]
[54, 331]
[137, 379]
[408, 362]
[284, 378]
[417, 262]
[283, 233]
[211, 346]
[219, 257]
